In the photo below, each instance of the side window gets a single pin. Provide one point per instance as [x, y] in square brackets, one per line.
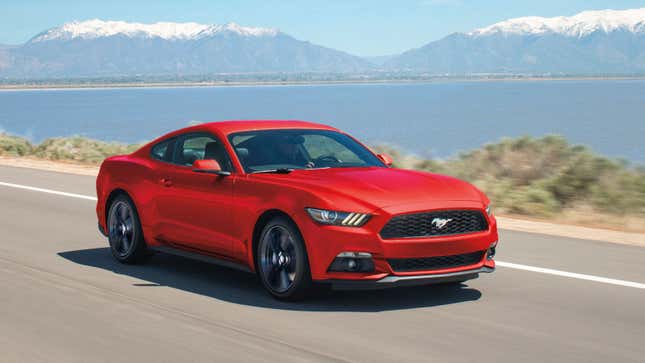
[163, 150]
[201, 147]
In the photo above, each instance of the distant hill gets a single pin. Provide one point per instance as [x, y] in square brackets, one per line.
[109, 48]
[592, 42]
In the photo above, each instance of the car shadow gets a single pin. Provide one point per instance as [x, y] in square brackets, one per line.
[244, 288]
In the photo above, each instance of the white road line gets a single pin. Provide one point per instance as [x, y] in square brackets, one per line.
[48, 191]
[572, 275]
[542, 270]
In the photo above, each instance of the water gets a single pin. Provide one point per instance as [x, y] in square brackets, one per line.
[437, 119]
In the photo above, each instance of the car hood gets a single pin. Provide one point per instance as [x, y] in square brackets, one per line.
[381, 187]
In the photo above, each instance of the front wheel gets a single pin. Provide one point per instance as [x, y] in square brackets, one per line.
[124, 231]
[282, 261]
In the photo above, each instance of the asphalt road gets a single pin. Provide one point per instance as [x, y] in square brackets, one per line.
[63, 298]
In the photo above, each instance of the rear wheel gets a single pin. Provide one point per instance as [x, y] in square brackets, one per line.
[124, 231]
[282, 261]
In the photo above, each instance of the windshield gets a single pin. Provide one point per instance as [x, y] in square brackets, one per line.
[267, 150]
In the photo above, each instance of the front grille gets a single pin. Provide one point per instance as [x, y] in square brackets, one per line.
[435, 263]
[432, 224]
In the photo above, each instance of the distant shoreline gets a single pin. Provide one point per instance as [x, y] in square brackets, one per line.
[72, 86]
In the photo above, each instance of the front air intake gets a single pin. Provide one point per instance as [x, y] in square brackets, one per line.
[435, 263]
[440, 223]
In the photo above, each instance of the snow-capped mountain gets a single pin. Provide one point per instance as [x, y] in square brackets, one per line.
[591, 42]
[97, 28]
[116, 48]
[579, 25]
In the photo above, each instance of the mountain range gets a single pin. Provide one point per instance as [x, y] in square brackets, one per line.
[592, 42]
[115, 48]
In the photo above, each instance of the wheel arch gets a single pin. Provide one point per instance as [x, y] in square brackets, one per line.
[261, 222]
[113, 194]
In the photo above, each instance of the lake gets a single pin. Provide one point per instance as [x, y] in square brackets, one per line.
[430, 119]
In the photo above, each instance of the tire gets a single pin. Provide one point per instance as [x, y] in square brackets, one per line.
[281, 261]
[124, 232]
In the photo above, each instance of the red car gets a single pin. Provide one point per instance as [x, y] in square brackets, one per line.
[297, 203]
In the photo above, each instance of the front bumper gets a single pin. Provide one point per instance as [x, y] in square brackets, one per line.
[324, 244]
[411, 280]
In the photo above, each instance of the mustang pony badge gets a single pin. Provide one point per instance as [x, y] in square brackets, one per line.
[440, 222]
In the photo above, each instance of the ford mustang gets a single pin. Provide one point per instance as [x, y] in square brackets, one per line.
[300, 204]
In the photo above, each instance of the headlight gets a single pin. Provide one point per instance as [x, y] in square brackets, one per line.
[336, 218]
[489, 210]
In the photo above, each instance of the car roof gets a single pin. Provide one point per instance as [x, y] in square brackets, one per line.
[229, 127]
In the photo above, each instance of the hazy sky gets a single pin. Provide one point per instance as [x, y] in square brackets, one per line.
[361, 27]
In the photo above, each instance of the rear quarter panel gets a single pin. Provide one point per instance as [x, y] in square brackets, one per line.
[133, 175]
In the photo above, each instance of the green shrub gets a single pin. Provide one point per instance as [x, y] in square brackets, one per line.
[14, 146]
[543, 176]
[531, 200]
[80, 149]
[621, 192]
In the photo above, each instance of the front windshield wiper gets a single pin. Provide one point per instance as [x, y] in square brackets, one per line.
[274, 171]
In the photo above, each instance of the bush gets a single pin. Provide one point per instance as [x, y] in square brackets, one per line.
[14, 146]
[80, 149]
[543, 176]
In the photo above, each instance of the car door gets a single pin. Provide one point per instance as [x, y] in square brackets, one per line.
[196, 207]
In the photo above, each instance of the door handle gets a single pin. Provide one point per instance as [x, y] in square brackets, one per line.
[167, 182]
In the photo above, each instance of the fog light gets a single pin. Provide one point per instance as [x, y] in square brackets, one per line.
[490, 254]
[352, 262]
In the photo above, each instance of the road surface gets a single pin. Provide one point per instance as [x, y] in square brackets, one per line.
[63, 298]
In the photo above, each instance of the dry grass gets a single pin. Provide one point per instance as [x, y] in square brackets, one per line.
[69, 149]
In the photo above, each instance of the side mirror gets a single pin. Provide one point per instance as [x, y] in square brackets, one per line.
[209, 167]
[385, 158]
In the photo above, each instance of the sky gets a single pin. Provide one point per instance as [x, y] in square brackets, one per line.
[360, 27]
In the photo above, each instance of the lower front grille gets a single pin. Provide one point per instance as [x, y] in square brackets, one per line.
[435, 263]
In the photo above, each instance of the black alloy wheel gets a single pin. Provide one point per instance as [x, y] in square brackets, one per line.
[124, 231]
[282, 260]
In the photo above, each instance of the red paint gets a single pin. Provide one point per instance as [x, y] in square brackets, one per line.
[216, 214]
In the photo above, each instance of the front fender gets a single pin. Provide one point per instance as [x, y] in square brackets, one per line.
[254, 196]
